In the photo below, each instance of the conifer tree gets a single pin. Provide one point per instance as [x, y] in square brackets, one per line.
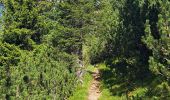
[74, 18]
[158, 38]
[31, 68]
[127, 49]
[24, 22]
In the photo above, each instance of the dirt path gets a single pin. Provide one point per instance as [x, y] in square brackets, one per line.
[94, 90]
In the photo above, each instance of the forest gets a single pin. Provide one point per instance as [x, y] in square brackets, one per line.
[49, 49]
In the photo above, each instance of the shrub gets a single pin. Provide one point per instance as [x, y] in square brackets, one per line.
[38, 75]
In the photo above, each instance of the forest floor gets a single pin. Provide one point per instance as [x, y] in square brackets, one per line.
[100, 83]
[94, 89]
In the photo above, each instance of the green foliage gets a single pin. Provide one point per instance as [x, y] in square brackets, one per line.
[128, 55]
[81, 91]
[158, 41]
[9, 55]
[31, 68]
[24, 22]
[92, 49]
[38, 75]
[98, 42]
[139, 47]
[41, 40]
[73, 18]
[161, 91]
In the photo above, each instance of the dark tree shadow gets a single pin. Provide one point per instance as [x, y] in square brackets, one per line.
[120, 86]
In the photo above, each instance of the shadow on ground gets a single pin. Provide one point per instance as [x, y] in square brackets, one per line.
[137, 89]
[119, 86]
[112, 83]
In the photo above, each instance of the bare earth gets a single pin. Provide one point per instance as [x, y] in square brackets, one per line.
[94, 90]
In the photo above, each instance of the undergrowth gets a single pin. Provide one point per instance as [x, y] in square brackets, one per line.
[81, 92]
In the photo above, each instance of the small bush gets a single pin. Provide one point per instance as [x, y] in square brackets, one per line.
[39, 75]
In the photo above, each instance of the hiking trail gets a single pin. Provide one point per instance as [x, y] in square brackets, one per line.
[94, 90]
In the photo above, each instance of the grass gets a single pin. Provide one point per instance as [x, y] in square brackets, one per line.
[107, 95]
[81, 93]
[113, 88]
[106, 82]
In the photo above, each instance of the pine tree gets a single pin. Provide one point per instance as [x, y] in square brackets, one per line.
[31, 68]
[99, 43]
[74, 18]
[129, 55]
[24, 22]
[158, 40]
